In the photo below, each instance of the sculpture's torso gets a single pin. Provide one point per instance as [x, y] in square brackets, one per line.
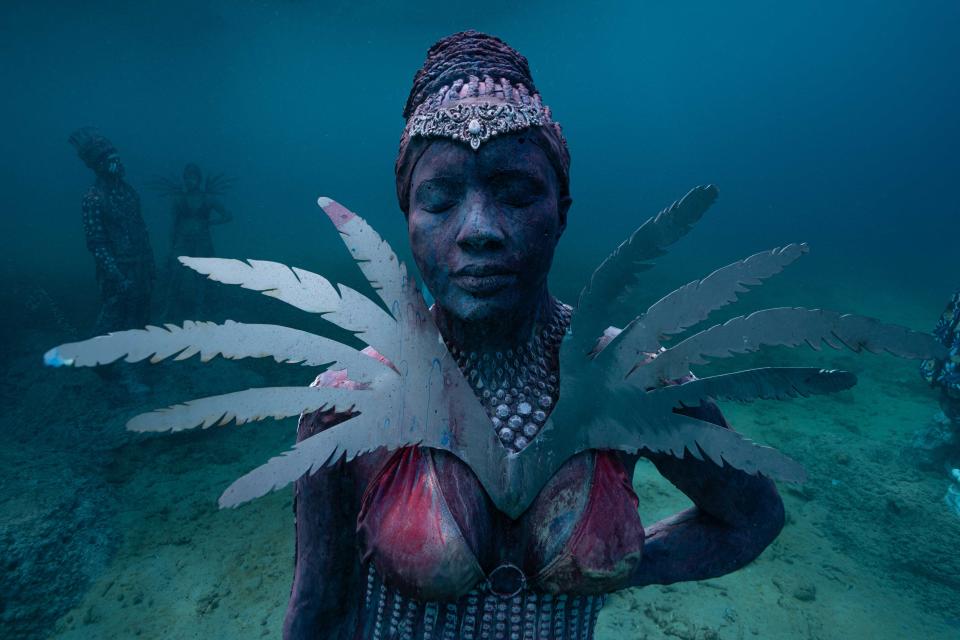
[122, 224]
[441, 562]
[191, 226]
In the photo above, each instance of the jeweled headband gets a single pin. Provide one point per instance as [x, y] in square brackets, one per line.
[475, 110]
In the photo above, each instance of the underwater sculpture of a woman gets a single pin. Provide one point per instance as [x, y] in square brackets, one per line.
[196, 207]
[468, 474]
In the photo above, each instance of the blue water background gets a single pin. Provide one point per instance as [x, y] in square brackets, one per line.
[834, 123]
[831, 123]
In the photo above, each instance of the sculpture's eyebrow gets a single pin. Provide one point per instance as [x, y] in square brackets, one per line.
[441, 181]
[500, 173]
[438, 183]
[517, 178]
[449, 178]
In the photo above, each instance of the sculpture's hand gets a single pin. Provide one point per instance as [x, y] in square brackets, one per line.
[734, 517]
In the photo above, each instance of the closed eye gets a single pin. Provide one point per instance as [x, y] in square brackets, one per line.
[517, 188]
[438, 194]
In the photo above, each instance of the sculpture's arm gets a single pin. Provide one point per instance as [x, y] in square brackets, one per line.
[96, 236]
[326, 572]
[223, 214]
[734, 517]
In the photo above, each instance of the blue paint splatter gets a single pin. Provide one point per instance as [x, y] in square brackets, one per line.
[52, 359]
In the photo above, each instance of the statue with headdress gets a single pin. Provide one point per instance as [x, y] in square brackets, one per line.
[116, 235]
[466, 474]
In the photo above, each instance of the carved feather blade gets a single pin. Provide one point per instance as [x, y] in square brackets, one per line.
[431, 406]
[304, 290]
[249, 405]
[218, 184]
[785, 326]
[376, 259]
[725, 446]
[621, 268]
[307, 291]
[695, 301]
[232, 340]
[768, 383]
[349, 439]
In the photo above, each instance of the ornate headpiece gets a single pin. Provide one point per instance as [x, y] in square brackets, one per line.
[91, 146]
[455, 96]
[475, 110]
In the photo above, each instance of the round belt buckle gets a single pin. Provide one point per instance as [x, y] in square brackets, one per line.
[506, 581]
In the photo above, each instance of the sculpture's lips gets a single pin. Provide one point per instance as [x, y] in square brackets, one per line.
[484, 280]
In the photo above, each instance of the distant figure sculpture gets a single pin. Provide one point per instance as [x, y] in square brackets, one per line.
[944, 437]
[116, 236]
[195, 208]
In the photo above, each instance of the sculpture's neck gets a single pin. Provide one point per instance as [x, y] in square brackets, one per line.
[517, 378]
[109, 182]
[505, 331]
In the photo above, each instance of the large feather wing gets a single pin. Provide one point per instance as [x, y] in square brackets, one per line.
[417, 343]
[432, 407]
[620, 269]
[233, 340]
[694, 302]
[785, 326]
[348, 440]
[307, 291]
[250, 405]
[636, 424]
[768, 383]
[722, 446]
[376, 259]
[218, 184]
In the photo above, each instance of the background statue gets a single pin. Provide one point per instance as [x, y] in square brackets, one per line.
[196, 206]
[116, 236]
[942, 439]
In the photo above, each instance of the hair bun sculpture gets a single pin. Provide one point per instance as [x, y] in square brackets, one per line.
[471, 88]
[465, 54]
[91, 145]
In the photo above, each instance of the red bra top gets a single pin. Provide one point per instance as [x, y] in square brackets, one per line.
[430, 530]
[432, 533]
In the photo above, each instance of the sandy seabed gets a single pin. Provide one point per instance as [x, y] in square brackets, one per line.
[106, 535]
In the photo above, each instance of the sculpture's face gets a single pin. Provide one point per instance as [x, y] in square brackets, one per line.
[112, 166]
[483, 225]
[192, 177]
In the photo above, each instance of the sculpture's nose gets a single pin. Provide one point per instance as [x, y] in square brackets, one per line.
[480, 230]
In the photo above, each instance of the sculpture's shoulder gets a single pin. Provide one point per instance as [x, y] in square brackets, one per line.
[312, 423]
[92, 198]
[322, 419]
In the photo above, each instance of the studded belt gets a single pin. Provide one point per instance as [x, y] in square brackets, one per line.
[502, 608]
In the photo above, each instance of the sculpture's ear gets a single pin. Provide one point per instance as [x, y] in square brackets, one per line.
[563, 206]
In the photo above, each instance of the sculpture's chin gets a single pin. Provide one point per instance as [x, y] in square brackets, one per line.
[493, 310]
[475, 309]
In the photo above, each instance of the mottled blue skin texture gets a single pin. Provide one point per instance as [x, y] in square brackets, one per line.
[483, 226]
[117, 237]
[945, 373]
